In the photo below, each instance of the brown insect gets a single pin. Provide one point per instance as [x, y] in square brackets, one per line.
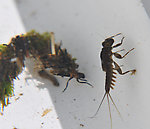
[47, 58]
[110, 66]
[48, 55]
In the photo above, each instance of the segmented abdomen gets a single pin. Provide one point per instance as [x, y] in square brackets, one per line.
[109, 78]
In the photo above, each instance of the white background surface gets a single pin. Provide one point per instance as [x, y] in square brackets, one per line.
[82, 25]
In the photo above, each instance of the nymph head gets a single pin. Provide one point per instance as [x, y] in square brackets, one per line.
[80, 77]
[108, 42]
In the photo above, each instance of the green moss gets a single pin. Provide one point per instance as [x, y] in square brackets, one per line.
[2, 48]
[8, 72]
[37, 45]
[7, 51]
[6, 91]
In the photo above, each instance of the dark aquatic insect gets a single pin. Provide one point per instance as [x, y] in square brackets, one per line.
[63, 65]
[41, 48]
[110, 66]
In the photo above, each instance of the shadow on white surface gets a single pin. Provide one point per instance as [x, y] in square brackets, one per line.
[146, 4]
[82, 26]
[76, 104]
